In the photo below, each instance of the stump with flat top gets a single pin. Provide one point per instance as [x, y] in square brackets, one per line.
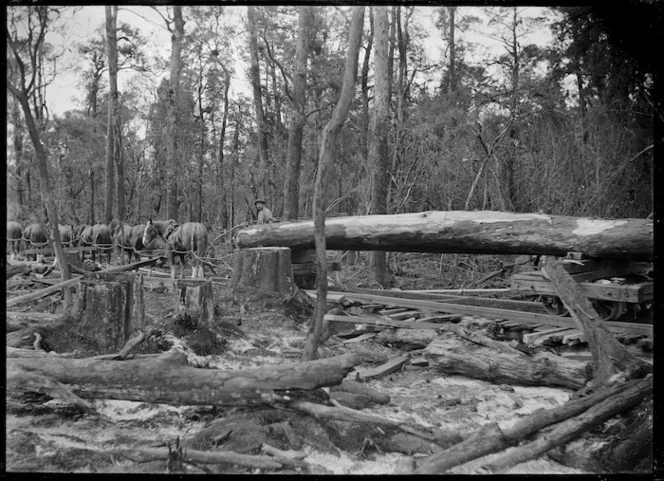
[194, 297]
[266, 269]
[108, 308]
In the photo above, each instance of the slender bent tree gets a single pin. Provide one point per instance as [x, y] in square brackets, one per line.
[292, 180]
[21, 82]
[325, 159]
[379, 130]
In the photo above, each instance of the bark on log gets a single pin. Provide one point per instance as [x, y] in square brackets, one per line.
[194, 297]
[266, 269]
[479, 362]
[168, 379]
[478, 232]
[109, 308]
[491, 439]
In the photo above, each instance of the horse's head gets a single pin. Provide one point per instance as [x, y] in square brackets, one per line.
[149, 233]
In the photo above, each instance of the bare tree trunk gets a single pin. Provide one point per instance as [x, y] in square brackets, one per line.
[452, 69]
[325, 160]
[17, 142]
[177, 34]
[221, 190]
[292, 180]
[381, 124]
[258, 98]
[112, 54]
[365, 93]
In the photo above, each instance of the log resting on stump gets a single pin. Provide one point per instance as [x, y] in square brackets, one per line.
[168, 379]
[478, 232]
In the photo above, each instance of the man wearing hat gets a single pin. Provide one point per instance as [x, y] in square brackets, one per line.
[264, 214]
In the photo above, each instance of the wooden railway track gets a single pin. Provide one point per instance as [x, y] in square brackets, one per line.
[417, 311]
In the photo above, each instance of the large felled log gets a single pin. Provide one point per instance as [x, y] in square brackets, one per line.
[478, 232]
[168, 379]
[512, 367]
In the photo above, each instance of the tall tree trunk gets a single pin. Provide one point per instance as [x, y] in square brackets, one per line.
[381, 124]
[452, 42]
[255, 78]
[365, 92]
[294, 161]
[111, 48]
[330, 134]
[177, 34]
[115, 130]
[221, 188]
[18, 150]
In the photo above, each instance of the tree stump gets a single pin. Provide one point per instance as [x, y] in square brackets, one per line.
[109, 307]
[195, 300]
[266, 269]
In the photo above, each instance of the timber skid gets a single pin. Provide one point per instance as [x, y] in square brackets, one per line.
[616, 289]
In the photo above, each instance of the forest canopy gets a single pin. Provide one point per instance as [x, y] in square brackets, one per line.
[517, 109]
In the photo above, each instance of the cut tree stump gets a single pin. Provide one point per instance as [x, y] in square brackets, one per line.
[194, 298]
[265, 269]
[108, 308]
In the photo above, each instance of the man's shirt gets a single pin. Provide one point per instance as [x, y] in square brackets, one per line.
[264, 216]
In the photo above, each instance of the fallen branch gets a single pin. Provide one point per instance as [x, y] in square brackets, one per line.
[33, 296]
[574, 427]
[491, 439]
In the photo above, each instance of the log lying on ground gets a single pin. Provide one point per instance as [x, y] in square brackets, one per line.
[491, 439]
[168, 379]
[478, 232]
[33, 296]
[476, 361]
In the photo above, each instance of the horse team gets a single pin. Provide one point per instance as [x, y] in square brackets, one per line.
[187, 241]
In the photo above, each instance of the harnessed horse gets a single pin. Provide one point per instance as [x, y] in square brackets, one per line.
[121, 234]
[35, 235]
[189, 239]
[14, 237]
[66, 235]
[100, 237]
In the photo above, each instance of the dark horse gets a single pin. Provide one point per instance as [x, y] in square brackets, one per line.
[189, 239]
[129, 240]
[35, 235]
[99, 236]
[14, 237]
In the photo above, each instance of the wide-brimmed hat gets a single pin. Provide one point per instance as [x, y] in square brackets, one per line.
[259, 201]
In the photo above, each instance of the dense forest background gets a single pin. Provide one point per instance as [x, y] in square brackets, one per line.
[563, 128]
